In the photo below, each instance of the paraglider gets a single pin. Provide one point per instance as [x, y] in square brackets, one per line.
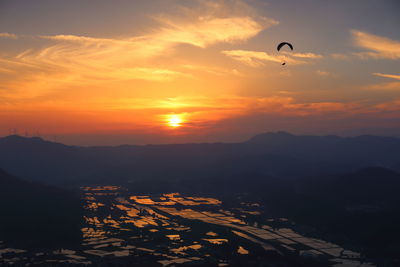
[283, 44]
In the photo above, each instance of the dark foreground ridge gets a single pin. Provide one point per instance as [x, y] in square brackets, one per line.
[38, 216]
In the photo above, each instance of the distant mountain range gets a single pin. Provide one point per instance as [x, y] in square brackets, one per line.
[38, 216]
[277, 154]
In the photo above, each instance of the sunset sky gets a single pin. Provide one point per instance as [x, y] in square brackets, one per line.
[93, 72]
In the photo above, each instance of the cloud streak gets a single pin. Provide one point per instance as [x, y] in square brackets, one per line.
[8, 35]
[257, 58]
[206, 31]
[379, 47]
[323, 73]
[391, 76]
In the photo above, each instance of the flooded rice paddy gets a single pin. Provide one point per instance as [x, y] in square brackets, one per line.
[173, 229]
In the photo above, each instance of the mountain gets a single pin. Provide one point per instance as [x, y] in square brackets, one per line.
[373, 150]
[38, 216]
[270, 153]
[39, 160]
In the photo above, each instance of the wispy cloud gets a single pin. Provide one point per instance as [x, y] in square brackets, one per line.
[386, 86]
[71, 60]
[251, 58]
[8, 35]
[378, 46]
[323, 73]
[200, 32]
[391, 76]
[339, 56]
[257, 58]
[207, 31]
[304, 55]
[390, 86]
[392, 106]
[212, 22]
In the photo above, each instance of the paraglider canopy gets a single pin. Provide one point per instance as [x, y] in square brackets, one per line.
[284, 43]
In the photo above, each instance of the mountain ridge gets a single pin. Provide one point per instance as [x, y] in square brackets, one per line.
[40, 160]
[278, 135]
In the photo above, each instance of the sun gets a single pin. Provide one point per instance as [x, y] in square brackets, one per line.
[174, 121]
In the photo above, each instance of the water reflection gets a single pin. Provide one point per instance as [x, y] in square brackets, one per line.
[217, 241]
[242, 250]
[173, 237]
[181, 250]
[172, 228]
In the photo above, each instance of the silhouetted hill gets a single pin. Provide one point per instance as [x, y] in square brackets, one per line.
[39, 160]
[270, 153]
[37, 216]
[374, 150]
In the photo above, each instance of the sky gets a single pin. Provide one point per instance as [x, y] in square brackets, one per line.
[102, 72]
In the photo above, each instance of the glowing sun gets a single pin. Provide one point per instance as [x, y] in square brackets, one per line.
[174, 121]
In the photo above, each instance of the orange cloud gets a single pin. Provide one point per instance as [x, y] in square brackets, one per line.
[256, 58]
[206, 31]
[251, 58]
[392, 86]
[389, 106]
[201, 32]
[392, 76]
[380, 47]
[71, 61]
[389, 86]
[8, 35]
[339, 56]
[323, 73]
[304, 55]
